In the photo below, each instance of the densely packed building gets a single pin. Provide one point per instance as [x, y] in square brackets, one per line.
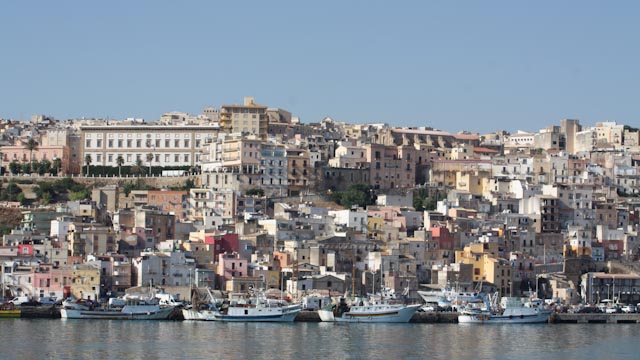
[319, 207]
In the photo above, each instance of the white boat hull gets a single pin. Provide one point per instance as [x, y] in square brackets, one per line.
[258, 314]
[373, 314]
[202, 315]
[127, 313]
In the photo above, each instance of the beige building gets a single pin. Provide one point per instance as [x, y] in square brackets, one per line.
[249, 118]
[298, 170]
[85, 281]
[391, 166]
[90, 239]
[486, 265]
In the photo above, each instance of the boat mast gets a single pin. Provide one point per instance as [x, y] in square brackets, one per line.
[353, 271]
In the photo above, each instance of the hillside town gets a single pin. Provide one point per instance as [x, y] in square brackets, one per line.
[247, 196]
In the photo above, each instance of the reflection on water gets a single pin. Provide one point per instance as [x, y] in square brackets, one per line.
[83, 339]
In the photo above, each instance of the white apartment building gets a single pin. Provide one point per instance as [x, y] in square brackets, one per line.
[170, 145]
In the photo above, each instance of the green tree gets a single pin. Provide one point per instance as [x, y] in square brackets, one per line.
[79, 195]
[137, 168]
[14, 166]
[357, 194]
[87, 161]
[22, 199]
[420, 199]
[149, 160]
[56, 166]
[31, 145]
[45, 199]
[255, 192]
[119, 162]
[27, 168]
[11, 192]
[44, 167]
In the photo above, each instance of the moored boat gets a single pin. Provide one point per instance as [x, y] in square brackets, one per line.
[514, 311]
[134, 309]
[259, 313]
[201, 314]
[253, 308]
[367, 312]
[9, 310]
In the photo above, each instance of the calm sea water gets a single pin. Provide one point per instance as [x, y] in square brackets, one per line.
[107, 339]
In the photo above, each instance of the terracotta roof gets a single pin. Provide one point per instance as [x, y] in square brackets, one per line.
[484, 150]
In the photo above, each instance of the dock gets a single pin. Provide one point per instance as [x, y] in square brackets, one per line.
[594, 318]
[418, 317]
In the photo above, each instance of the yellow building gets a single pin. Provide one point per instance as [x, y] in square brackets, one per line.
[375, 227]
[85, 281]
[487, 267]
[472, 182]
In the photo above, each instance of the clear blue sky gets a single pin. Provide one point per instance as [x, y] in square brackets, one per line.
[453, 65]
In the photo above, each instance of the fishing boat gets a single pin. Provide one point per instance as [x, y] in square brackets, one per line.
[259, 313]
[8, 310]
[207, 314]
[511, 311]
[257, 308]
[385, 312]
[134, 309]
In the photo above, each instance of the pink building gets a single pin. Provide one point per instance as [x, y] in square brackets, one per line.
[230, 266]
[21, 155]
[50, 281]
[390, 214]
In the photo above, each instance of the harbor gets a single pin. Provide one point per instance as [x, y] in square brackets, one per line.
[53, 312]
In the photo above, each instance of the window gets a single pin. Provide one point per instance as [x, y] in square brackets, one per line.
[88, 143]
[129, 143]
[167, 143]
[119, 143]
[157, 143]
[176, 143]
[110, 143]
[176, 158]
[98, 143]
[138, 143]
[186, 143]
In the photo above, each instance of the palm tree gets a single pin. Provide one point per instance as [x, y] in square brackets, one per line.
[119, 162]
[149, 160]
[137, 167]
[31, 145]
[87, 161]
